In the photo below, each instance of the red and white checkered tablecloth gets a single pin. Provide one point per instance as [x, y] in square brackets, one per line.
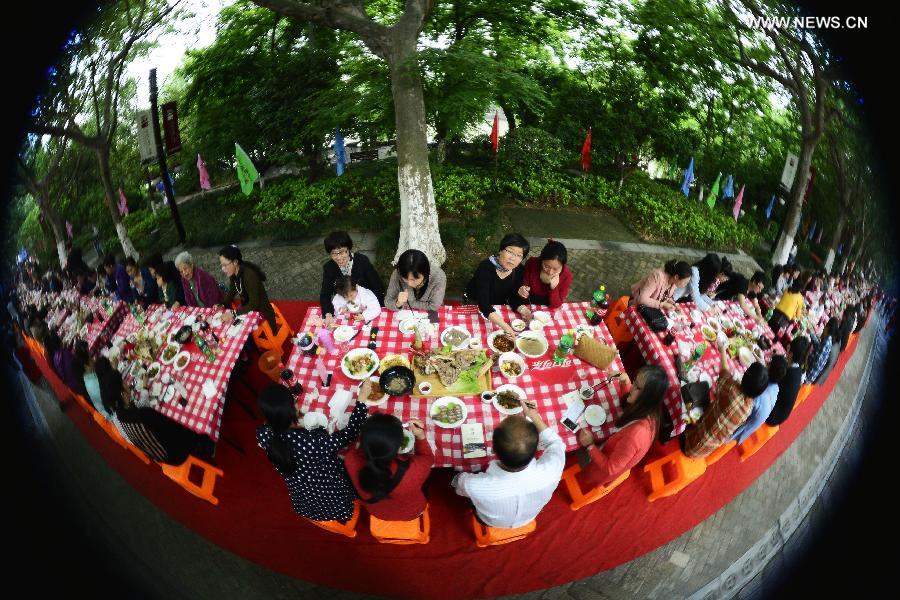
[543, 382]
[651, 346]
[200, 414]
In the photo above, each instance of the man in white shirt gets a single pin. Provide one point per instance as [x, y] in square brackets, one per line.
[514, 489]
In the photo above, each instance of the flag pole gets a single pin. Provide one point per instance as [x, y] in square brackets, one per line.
[161, 155]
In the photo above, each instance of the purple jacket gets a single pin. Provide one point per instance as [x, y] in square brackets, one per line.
[207, 289]
[120, 283]
[63, 364]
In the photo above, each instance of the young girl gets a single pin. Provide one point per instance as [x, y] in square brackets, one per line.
[354, 300]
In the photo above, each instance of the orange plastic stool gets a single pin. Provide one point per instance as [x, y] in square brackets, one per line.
[266, 339]
[493, 536]
[348, 529]
[270, 364]
[615, 321]
[720, 452]
[686, 471]
[180, 475]
[803, 394]
[112, 432]
[757, 440]
[581, 499]
[415, 531]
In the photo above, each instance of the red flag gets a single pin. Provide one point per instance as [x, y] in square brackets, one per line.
[495, 132]
[586, 152]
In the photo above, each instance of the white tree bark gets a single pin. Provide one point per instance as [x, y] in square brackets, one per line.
[418, 215]
[127, 246]
[61, 251]
[829, 262]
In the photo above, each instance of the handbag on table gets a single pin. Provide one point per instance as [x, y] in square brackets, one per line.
[654, 317]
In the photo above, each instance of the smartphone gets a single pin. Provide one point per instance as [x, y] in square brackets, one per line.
[569, 424]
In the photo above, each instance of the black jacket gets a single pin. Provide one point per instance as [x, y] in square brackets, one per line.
[363, 273]
[788, 389]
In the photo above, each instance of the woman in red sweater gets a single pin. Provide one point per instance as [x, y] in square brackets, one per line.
[638, 426]
[547, 279]
[390, 486]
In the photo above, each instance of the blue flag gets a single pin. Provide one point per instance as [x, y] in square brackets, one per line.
[23, 255]
[688, 176]
[729, 188]
[840, 248]
[812, 231]
[340, 153]
[769, 208]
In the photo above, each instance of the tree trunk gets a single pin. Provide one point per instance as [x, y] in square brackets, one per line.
[418, 212]
[55, 224]
[109, 192]
[835, 240]
[510, 117]
[792, 218]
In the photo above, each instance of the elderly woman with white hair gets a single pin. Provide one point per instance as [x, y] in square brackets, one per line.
[200, 288]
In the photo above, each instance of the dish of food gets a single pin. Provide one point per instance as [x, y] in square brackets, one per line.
[543, 316]
[532, 345]
[500, 342]
[456, 337]
[594, 415]
[456, 370]
[343, 333]
[511, 365]
[726, 323]
[169, 353]
[518, 325]
[714, 325]
[745, 355]
[359, 363]
[397, 381]
[375, 397]
[508, 399]
[393, 360]
[409, 442]
[153, 371]
[182, 359]
[408, 326]
[709, 333]
[448, 412]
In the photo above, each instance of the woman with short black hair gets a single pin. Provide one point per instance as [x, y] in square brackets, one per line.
[415, 283]
[546, 277]
[246, 282]
[498, 280]
[343, 261]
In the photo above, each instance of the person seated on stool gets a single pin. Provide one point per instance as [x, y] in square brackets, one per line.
[638, 426]
[514, 488]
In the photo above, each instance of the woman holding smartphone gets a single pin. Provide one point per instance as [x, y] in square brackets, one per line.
[638, 426]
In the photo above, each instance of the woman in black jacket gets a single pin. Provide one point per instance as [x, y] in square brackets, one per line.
[344, 262]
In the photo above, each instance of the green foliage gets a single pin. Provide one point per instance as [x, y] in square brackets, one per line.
[530, 151]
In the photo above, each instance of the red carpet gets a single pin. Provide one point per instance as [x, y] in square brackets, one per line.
[255, 521]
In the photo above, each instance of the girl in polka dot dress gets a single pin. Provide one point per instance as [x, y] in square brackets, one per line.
[317, 481]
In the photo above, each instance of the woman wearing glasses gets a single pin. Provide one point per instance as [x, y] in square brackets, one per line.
[345, 263]
[498, 280]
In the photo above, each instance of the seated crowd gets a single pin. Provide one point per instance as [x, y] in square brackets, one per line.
[326, 472]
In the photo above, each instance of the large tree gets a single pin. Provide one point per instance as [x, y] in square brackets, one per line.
[40, 173]
[395, 44]
[88, 83]
[801, 65]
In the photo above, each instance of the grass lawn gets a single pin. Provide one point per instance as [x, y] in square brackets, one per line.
[571, 223]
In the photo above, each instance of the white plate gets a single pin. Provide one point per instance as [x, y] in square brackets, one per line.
[408, 327]
[536, 325]
[494, 335]
[462, 345]
[508, 357]
[162, 359]
[705, 377]
[409, 442]
[696, 316]
[444, 401]
[726, 322]
[158, 370]
[543, 316]
[355, 353]
[518, 325]
[375, 385]
[508, 387]
[594, 415]
[532, 336]
[189, 320]
[745, 355]
[343, 333]
[178, 358]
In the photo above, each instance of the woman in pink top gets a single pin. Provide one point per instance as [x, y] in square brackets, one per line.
[638, 426]
[390, 486]
[656, 289]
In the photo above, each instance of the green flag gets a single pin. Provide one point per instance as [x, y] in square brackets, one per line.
[246, 172]
[714, 192]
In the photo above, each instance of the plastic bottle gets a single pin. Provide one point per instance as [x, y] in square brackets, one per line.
[324, 338]
[204, 348]
[566, 343]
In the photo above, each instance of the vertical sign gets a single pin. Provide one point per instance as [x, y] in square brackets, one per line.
[146, 145]
[170, 127]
